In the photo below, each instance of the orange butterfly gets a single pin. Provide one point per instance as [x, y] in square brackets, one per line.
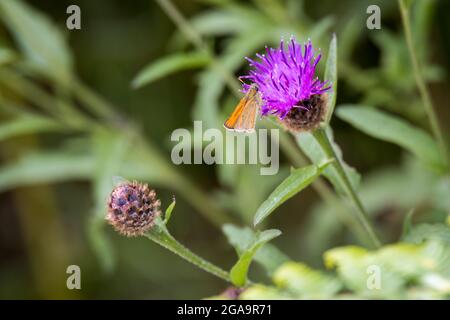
[243, 118]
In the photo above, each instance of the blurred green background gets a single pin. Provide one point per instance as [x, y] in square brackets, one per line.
[90, 124]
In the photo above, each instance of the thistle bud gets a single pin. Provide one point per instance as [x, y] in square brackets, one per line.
[132, 208]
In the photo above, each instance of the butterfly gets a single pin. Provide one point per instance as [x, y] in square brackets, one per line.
[243, 118]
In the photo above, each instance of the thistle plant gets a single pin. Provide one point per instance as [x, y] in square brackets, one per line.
[290, 89]
[394, 217]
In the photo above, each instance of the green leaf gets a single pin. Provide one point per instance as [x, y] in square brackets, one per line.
[407, 223]
[169, 210]
[101, 244]
[389, 128]
[45, 167]
[223, 21]
[319, 29]
[262, 292]
[41, 42]
[297, 181]
[168, 65]
[6, 56]
[269, 256]
[407, 3]
[355, 266]
[426, 231]
[331, 76]
[238, 274]
[110, 150]
[27, 124]
[314, 152]
[245, 198]
[306, 283]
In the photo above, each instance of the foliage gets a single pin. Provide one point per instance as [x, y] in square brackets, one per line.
[399, 271]
[58, 131]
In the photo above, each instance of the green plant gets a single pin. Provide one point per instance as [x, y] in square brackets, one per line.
[41, 93]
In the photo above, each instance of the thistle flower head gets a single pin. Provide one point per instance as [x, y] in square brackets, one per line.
[132, 208]
[286, 77]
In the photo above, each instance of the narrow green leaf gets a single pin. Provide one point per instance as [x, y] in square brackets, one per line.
[169, 210]
[167, 65]
[220, 22]
[407, 223]
[42, 43]
[45, 167]
[6, 56]
[101, 244]
[321, 27]
[238, 274]
[110, 150]
[331, 76]
[297, 181]
[426, 231]
[383, 126]
[27, 124]
[269, 256]
[305, 282]
[407, 3]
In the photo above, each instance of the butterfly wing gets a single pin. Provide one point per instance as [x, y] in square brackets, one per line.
[243, 118]
[232, 120]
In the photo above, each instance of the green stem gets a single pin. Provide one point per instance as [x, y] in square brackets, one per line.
[196, 39]
[322, 138]
[296, 157]
[418, 75]
[94, 102]
[161, 236]
[322, 189]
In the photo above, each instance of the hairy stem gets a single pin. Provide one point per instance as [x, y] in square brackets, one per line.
[297, 158]
[161, 236]
[418, 75]
[322, 138]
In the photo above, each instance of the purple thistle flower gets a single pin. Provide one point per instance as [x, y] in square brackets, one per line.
[286, 77]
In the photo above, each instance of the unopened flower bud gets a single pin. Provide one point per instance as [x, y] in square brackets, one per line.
[132, 208]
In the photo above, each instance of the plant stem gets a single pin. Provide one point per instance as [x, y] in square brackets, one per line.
[298, 159]
[161, 236]
[418, 75]
[95, 103]
[322, 138]
[196, 39]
